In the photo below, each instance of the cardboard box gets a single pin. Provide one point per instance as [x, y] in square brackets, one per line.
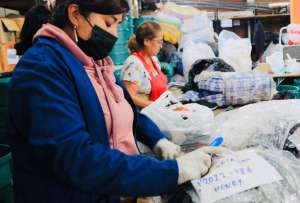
[8, 57]
[19, 20]
[8, 30]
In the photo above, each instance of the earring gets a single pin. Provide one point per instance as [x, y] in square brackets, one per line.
[75, 33]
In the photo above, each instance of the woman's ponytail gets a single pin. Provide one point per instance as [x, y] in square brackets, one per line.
[133, 45]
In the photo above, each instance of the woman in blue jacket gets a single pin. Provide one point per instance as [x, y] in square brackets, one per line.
[73, 126]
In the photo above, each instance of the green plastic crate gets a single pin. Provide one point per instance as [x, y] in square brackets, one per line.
[3, 123]
[123, 36]
[3, 113]
[119, 57]
[4, 137]
[5, 166]
[142, 19]
[288, 88]
[6, 194]
[120, 48]
[167, 69]
[297, 95]
[4, 83]
[297, 82]
[126, 25]
[118, 74]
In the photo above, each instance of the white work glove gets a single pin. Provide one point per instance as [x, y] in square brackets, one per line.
[195, 164]
[164, 149]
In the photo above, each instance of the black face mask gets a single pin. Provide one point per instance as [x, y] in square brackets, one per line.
[99, 45]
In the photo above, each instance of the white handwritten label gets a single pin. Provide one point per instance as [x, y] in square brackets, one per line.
[235, 173]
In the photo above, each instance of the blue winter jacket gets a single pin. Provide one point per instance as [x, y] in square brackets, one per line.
[59, 137]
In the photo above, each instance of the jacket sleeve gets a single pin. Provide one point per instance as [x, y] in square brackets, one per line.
[47, 112]
[147, 131]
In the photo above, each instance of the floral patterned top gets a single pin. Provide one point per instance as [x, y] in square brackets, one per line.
[135, 71]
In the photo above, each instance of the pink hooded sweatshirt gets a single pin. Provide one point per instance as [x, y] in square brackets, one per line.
[117, 111]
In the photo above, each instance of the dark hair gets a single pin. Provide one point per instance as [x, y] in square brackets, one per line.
[34, 18]
[106, 7]
[58, 16]
[147, 30]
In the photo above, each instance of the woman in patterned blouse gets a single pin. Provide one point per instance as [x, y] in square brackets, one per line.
[142, 73]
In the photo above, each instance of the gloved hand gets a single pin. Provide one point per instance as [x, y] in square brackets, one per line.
[195, 164]
[165, 149]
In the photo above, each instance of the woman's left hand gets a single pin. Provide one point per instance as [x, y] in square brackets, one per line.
[165, 149]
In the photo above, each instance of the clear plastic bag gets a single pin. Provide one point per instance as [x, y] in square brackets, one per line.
[199, 36]
[168, 18]
[235, 51]
[197, 23]
[181, 12]
[275, 61]
[272, 48]
[264, 124]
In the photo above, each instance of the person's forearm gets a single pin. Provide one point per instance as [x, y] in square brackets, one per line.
[140, 102]
[132, 88]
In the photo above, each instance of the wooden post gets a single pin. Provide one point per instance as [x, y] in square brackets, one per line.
[295, 11]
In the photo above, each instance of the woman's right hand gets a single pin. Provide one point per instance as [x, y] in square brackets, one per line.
[195, 164]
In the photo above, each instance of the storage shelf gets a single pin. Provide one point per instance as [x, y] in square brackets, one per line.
[260, 16]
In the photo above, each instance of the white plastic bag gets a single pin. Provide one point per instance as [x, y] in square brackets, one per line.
[199, 36]
[272, 48]
[168, 18]
[292, 66]
[193, 124]
[235, 51]
[199, 22]
[194, 52]
[181, 12]
[275, 61]
[294, 33]
[198, 29]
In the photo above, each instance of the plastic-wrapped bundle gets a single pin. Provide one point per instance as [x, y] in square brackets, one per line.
[232, 88]
[285, 191]
[266, 124]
